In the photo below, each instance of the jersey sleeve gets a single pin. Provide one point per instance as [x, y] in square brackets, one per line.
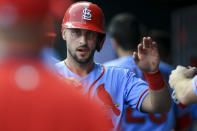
[135, 90]
[194, 84]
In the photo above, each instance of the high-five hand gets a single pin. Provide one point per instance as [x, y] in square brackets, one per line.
[147, 56]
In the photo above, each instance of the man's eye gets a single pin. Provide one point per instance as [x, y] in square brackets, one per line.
[76, 32]
[91, 33]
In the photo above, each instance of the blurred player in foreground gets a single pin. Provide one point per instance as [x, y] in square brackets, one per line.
[83, 30]
[31, 98]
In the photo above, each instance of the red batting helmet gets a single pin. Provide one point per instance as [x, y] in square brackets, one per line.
[85, 15]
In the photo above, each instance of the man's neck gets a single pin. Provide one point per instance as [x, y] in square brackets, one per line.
[79, 69]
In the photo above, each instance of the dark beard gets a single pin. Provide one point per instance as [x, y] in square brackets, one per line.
[82, 61]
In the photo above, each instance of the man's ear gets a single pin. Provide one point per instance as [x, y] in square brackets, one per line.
[64, 34]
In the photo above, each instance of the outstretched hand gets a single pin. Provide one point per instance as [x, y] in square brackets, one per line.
[180, 75]
[147, 56]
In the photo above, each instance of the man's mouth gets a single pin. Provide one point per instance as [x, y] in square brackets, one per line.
[82, 51]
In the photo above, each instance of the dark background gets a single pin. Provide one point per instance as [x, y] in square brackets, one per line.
[153, 13]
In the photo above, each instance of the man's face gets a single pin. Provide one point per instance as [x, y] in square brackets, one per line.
[81, 44]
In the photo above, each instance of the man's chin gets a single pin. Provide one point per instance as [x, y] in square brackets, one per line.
[83, 60]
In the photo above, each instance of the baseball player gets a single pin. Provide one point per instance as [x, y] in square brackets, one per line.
[31, 97]
[125, 31]
[83, 30]
[184, 82]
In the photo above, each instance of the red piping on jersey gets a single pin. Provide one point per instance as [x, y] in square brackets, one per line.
[140, 98]
[90, 88]
[195, 84]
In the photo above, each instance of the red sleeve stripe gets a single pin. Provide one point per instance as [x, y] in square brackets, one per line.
[183, 122]
[140, 98]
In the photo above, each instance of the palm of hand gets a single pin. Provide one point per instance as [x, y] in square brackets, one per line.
[149, 60]
[147, 57]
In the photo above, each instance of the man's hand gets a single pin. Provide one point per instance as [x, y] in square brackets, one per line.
[181, 81]
[180, 75]
[147, 57]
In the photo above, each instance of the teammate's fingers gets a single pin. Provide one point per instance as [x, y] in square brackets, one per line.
[171, 80]
[140, 48]
[145, 43]
[178, 70]
[194, 69]
[154, 44]
[179, 67]
[150, 41]
[188, 67]
[135, 57]
[191, 72]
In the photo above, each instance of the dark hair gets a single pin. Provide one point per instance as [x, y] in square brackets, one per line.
[126, 30]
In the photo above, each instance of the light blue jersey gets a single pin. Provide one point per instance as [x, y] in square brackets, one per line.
[49, 56]
[194, 84]
[113, 86]
[133, 120]
[193, 112]
[126, 62]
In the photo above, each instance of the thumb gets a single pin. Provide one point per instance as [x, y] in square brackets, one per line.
[191, 72]
[135, 57]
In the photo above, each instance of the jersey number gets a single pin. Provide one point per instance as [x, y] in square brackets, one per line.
[131, 119]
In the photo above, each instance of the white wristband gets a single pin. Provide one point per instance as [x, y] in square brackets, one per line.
[194, 83]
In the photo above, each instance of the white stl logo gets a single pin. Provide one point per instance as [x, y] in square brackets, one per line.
[87, 14]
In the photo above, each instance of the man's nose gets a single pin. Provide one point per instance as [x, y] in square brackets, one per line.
[83, 38]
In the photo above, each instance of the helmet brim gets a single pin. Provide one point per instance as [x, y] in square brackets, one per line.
[79, 25]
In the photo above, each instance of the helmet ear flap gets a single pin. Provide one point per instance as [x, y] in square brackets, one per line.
[100, 42]
[98, 47]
